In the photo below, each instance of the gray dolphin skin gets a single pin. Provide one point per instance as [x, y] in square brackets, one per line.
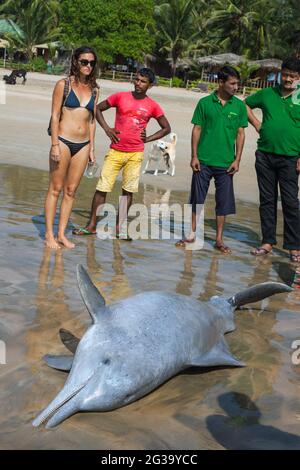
[134, 345]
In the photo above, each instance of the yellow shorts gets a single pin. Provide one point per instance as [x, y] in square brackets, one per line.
[115, 161]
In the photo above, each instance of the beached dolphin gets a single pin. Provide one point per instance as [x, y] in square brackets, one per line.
[136, 344]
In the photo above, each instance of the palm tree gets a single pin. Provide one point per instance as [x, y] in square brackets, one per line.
[176, 28]
[288, 27]
[245, 69]
[36, 22]
[13, 8]
[241, 25]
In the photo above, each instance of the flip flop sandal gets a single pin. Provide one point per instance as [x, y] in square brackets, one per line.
[223, 249]
[182, 243]
[295, 257]
[260, 251]
[126, 239]
[82, 231]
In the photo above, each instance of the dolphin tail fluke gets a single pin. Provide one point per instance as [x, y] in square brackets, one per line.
[258, 292]
[92, 298]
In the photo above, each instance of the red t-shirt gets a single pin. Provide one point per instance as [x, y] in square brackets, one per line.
[132, 116]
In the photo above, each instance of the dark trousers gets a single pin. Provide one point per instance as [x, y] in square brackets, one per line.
[273, 170]
[225, 202]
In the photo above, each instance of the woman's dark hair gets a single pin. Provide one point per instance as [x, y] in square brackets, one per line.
[226, 72]
[292, 64]
[74, 70]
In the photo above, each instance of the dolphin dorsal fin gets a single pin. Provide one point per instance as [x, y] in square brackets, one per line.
[92, 298]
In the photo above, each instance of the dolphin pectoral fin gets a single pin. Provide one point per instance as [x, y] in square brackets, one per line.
[219, 355]
[69, 340]
[59, 362]
[92, 298]
[258, 292]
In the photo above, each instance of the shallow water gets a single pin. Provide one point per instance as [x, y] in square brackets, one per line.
[253, 407]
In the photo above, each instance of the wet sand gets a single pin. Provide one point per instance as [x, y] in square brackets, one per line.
[254, 407]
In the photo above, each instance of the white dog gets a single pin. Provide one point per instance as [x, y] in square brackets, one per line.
[164, 149]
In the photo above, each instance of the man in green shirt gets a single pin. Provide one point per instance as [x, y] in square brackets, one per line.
[217, 143]
[278, 158]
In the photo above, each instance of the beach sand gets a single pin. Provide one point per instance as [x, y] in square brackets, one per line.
[25, 118]
[255, 407]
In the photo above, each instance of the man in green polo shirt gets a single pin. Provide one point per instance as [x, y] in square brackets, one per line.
[217, 143]
[278, 158]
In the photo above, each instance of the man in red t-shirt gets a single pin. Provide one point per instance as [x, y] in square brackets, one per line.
[133, 111]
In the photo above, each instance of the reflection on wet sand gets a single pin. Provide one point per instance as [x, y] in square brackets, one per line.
[241, 429]
[39, 295]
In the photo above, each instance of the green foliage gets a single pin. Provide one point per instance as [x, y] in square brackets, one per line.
[161, 81]
[242, 26]
[36, 18]
[37, 64]
[112, 27]
[176, 28]
[58, 69]
[177, 82]
[170, 29]
[245, 70]
[193, 75]
[287, 35]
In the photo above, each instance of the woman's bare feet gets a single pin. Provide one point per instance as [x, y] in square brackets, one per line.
[50, 242]
[65, 242]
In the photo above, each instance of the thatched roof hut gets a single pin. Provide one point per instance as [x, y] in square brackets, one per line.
[234, 59]
[271, 64]
[220, 59]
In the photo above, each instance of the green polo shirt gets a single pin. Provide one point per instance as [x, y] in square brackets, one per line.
[280, 130]
[219, 127]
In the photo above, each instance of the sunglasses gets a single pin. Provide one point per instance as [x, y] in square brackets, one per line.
[85, 62]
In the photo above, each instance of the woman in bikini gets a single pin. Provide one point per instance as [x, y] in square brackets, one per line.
[72, 140]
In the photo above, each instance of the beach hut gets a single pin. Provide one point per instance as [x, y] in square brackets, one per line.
[220, 59]
[42, 50]
[210, 64]
[268, 71]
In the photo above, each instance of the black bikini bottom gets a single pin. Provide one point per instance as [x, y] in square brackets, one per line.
[73, 146]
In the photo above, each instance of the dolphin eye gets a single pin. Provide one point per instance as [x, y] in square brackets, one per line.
[106, 362]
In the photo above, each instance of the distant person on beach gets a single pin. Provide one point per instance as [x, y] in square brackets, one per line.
[49, 66]
[278, 158]
[133, 111]
[218, 139]
[72, 139]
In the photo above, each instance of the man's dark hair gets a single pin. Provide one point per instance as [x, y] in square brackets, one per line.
[226, 72]
[145, 72]
[291, 64]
